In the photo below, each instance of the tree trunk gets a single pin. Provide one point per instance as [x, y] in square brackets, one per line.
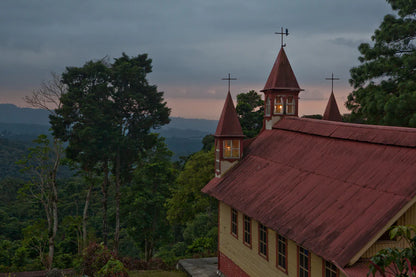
[117, 231]
[54, 204]
[104, 201]
[85, 218]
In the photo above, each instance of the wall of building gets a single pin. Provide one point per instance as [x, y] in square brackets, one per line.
[248, 259]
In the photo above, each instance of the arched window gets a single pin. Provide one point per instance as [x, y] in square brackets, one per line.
[268, 106]
[290, 105]
[278, 105]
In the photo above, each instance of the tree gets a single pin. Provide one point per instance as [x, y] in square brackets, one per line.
[42, 163]
[395, 261]
[106, 117]
[250, 111]
[144, 204]
[384, 84]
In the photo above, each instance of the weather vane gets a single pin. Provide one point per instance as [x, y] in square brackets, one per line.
[229, 80]
[332, 81]
[282, 34]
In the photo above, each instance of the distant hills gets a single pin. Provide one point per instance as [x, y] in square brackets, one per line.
[183, 135]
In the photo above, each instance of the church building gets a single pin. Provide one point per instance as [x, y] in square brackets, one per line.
[308, 197]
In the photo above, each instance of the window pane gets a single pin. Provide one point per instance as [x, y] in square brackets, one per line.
[236, 143]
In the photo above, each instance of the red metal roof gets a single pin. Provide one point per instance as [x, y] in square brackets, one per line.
[329, 186]
[229, 125]
[282, 77]
[332, 111]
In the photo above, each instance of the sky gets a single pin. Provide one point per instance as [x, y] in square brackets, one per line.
[193, 45]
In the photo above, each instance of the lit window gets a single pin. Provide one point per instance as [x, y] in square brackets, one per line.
[304, 262]
[231, 148]
[330, 270]
[282, 253]
[234, 222]
[278, 105]
[247, 230]
[290, 105]
[268, 106]
[263, 240]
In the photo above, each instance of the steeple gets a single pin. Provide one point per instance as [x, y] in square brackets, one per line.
[281, 91]
[228, 138]
[332, 112]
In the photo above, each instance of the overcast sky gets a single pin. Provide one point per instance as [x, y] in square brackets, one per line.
[193, 44]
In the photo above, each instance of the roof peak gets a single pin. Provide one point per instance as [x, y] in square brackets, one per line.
[281, 76]
[331, 111]
[229, 125]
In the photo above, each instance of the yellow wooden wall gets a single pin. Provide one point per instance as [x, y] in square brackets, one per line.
[248, 259]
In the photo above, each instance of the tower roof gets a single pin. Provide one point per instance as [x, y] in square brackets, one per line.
[229, 125]
[332, 112]
[282, 77]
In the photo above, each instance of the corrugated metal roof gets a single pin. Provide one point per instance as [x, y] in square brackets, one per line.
[229, 125]
[281, 76]
[328, 186]
[331, 111]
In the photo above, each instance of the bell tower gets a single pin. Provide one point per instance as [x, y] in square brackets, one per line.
[281, 92]
[228, 139]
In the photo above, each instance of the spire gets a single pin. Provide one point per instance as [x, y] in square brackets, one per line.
[332, 111]
[229, 125]
[282, 77]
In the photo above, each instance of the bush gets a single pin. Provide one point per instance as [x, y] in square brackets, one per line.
[94, 257]
[55, 273]
[112, 268]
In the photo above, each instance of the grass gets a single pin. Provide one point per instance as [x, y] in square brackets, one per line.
[156, 273]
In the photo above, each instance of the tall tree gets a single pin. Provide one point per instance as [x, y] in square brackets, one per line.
[42, 163]
[384, 84]
[250, 111]
[144, 204]
[106, 117]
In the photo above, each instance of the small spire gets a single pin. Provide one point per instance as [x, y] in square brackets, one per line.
[332, 112]
[229, 125]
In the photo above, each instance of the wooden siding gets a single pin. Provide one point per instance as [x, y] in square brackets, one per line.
[248, 259]
[408, 218]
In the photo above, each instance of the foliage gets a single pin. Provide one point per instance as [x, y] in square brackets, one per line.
[397, 261]
[250, 111]
[113, 268]
[187, 199]
[93, 258]
[384, 84]
[208, 142]
[55, 273]
[144, 210]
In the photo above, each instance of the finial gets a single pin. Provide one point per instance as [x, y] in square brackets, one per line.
[229, 79]
[332, 80]
[282, 34]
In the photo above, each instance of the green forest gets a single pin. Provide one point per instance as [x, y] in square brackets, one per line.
[100, 189]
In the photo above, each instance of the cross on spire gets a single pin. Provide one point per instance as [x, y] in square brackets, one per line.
[229, 80]
[282, 34]
[332, 81]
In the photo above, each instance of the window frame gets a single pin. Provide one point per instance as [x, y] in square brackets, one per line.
[245, 231]
[324, 268]
[263, 228]
[280, 239]
[291, 104]
[268, 107]
[299, 267]
[234, 212]
[282, 103]
[230, 141]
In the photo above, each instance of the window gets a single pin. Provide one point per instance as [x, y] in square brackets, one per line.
[263, 240]
[290, 105]
[304, 262]
[217, 161]
[278, 105]
[268, 106]
[231, 148]
[247, 230]
[330, 270]
[281, 252]
[234, 222]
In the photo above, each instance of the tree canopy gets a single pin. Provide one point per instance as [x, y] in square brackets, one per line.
[250, 112]
[385, 81]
